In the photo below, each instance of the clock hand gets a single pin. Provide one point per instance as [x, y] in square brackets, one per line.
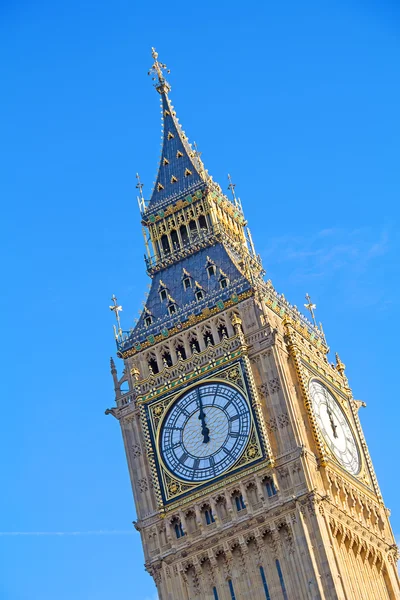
[332, 422]
[202, 416]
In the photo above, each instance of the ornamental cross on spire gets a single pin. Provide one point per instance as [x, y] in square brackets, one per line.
[311, 307]
[157, 74]
[116, 308]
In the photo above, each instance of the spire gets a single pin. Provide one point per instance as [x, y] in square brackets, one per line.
[181, 170]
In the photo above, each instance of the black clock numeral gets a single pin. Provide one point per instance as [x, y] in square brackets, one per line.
[183, 458]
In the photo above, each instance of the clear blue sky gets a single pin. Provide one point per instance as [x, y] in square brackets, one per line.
[299, 101]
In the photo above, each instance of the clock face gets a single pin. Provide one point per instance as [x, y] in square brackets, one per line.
[334, 427]
[205, 432]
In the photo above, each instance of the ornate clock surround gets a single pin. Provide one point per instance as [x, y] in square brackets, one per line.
[168, 486]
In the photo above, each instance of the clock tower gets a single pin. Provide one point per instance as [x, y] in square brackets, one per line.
[250, 471]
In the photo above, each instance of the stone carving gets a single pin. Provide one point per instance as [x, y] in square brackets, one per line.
[136, 450]
[143, 485]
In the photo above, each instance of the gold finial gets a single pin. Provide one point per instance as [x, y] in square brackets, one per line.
[156, 71]
[311, 307]
[340, 367]
[116, 308]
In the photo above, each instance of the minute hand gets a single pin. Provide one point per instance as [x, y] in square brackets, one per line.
[202, 416]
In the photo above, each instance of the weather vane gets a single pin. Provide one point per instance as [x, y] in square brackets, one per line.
[116, 308]
[157, 74]
[311, 307]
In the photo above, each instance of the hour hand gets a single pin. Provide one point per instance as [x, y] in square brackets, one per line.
[334, 427]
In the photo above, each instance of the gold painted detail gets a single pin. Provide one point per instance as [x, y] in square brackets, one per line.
[192, 320]
[174, 487]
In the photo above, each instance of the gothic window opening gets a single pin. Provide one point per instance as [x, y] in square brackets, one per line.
[181, 352]
[175, 240]
[194, 344]
[208, 338]
[223, 280]
[281, 581]
[239, 502]
[232, 591]
[153, 365]
[165, 244]
[163, 295]
[208, 515]
[187, 283]
[203, 223]
[184, 235]
[179, 530]
[215, 593]
[199, 295]
[193, 226]
[148, 320]
[220, 504]
[270, 487]
[222, 331]
[167, 360]
[211, 270]
[172, 308]
[264, 582]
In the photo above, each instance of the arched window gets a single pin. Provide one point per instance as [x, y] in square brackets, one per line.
[223, 282]
[186, 283]
[208, 338]
[178, 530]
[153, 366]
[148, 320]
[172, 308]
[193, 226]
[194, 344]
[232, 591]
[270, 487]
[175, 240]
[203, 223]
[167, 360]
[222, 331]
[199, 295]
[281, 581]
[165, 244]
[181, 352]
[184, 235]
[208, 515]
[264, 582]
[239, 502]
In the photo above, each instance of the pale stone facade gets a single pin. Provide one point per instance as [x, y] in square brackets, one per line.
[290, 518]
[329, 530]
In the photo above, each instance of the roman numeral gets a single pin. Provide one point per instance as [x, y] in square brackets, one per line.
[183, 458]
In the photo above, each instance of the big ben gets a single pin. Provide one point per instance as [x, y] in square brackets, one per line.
[250, 472]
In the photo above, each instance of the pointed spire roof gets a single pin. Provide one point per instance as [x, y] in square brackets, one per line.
[181, 170]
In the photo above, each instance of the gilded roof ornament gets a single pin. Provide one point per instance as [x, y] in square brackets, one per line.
[156, 71]
[311, 307]
[116, 309]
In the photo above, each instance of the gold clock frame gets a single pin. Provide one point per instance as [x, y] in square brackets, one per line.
[169, 487]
